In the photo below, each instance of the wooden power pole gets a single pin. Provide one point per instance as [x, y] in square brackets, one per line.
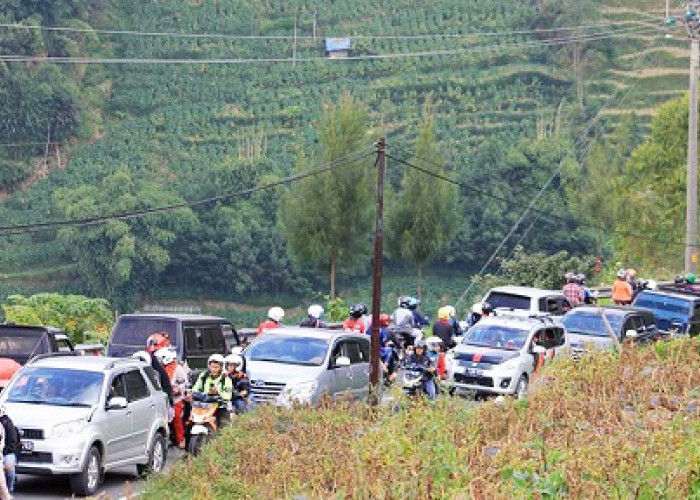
[377, 273]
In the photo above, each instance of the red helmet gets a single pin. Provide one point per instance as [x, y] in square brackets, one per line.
[384, 319]
[157, 341]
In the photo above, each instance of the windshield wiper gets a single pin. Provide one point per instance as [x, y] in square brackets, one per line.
[30, 401]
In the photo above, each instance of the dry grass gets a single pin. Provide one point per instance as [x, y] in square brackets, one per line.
[609, 426]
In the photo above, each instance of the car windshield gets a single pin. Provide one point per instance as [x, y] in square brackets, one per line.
[666, 303]
[288, 350]
[497, 337]
[135, 330]
[507, 300]
[22, 343]
[590, 323]
[56, 386]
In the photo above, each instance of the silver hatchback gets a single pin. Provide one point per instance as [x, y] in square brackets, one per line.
[299, 365]
[81, 416]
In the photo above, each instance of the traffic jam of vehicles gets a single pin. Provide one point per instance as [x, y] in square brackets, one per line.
[173, 380]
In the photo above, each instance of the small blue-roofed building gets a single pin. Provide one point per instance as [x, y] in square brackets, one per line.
[337, 48]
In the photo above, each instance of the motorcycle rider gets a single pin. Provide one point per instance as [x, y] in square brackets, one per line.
[456, 328]
[154, 342]
[274, 320]
[178, 380]
[572, 290]
[436, 352]
[403, 322]
[479, 310]
[313, 320]
[444, 328]
[421, 358]
[241, 385]
[213, 381]
[418, 319]
[355, 322]
[621, 289]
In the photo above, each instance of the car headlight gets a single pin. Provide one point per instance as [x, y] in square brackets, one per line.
[300, 391]
[67, 429]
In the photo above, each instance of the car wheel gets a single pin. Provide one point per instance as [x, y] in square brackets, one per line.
[156, 457]
[521, 388]
[86, 482]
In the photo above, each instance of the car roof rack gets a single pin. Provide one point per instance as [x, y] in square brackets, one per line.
[52, 355]
[509, 312]
[684, 289]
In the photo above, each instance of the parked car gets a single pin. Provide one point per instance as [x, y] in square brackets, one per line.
[499, 354]
[18, 344]
[294, 364]
[585, 326]
[676, 311]
[82, 416]
[195, 337]
[528, 298]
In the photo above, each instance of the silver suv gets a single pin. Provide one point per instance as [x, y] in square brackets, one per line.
[300, 365]
[500, 353]
[82, 416]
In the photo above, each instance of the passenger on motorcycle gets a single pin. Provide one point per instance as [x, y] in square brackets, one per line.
[444, 329]
[178, 380]
[421, 358]
[274, 320]
[403, 324]
[456, 328]
[355, 322]
[437, 355]
[241, 385]
[621, 289]
[572, 290]
[479, 310]
[214, 382]
[154, 342]
[418, 319]
[313, 320]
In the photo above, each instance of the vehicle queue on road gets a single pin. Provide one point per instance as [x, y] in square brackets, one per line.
[179, 378]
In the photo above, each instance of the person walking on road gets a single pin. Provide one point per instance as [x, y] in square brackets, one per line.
[622, 290]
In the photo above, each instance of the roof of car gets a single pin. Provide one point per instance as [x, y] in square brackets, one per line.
[316, 333]
[176, 316]
[527, 291]
[517, 321]
[678, 295]
[610, 308]
[88, 363]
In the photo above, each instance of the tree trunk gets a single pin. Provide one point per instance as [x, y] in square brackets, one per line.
[420, 282]
[333, 267]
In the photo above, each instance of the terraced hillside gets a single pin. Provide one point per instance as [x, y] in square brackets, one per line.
[233, 100]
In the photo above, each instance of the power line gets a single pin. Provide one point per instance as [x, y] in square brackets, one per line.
[511, 202]
[433, 53]
[226, 36]
[352, 158]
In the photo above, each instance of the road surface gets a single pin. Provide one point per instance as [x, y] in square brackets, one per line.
[118, 484]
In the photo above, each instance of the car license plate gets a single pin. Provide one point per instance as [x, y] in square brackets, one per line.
[27, 446]
[473, 372]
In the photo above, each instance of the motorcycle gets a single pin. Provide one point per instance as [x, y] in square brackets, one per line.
[202, 420]
[412, 379]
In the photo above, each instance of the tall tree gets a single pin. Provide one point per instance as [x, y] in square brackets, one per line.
[327, 217]
[423, 218]
[121, 259]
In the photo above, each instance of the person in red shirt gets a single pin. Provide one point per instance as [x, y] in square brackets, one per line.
[355, 323]
[572, 290]
[274, 318]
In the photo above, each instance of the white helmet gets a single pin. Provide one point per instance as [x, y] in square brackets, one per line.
[315, 311]
[433, 340]
[166, 355]
[143, 356]
[275, 314]
[477, 308]
[216, 358]
[452, 311]
[233, 359]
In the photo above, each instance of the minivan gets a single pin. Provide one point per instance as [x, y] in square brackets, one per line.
[300, 365]
[195, 337]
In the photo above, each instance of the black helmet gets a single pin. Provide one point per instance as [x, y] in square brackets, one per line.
[486, 308]
[679, 279]
[581, 278]
[404, 301]
[357, 310]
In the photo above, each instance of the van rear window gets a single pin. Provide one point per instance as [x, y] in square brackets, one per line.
[135, 331]
[508, 300]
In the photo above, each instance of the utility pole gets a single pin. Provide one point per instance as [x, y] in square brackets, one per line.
[691, 21]
[377, 274]
[294, 50]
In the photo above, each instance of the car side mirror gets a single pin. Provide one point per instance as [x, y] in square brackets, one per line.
[116, 403]
[342, 361]
[538, 349]
[631, 334]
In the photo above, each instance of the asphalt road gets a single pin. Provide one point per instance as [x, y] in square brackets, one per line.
[122, 483]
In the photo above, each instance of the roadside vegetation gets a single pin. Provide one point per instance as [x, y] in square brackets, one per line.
[608, 426]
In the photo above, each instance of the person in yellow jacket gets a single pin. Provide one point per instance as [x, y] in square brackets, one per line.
[213, 382]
